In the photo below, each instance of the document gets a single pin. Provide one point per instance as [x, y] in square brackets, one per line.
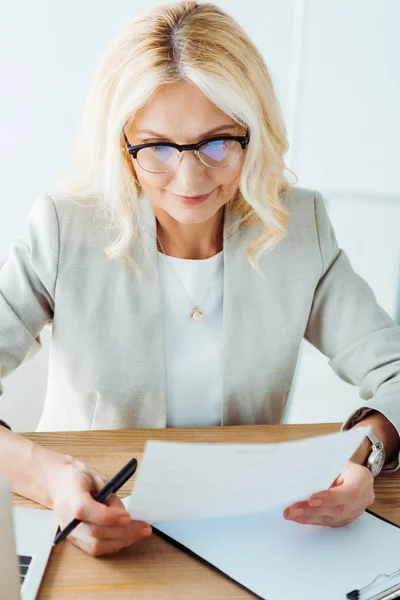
[179, 481]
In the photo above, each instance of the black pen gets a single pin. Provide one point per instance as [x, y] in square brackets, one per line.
[111, 486]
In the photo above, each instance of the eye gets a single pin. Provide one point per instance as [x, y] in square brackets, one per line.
[161, 150]
[217, 149]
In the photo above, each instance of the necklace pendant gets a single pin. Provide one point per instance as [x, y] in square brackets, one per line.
[196, 314]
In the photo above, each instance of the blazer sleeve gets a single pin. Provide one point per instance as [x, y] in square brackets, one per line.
[27, 287]
[348, 325]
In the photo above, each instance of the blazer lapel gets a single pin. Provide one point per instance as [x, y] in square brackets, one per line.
[150, 341]
[238, 322]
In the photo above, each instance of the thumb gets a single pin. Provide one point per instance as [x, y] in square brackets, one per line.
[91, 511]
[338, 481]
[350, 474]
[96, 512]
[344, 474]
[114, 501]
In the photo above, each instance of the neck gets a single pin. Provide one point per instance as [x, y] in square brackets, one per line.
[195, 241]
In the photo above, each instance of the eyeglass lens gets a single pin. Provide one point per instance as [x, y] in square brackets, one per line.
[217, 153]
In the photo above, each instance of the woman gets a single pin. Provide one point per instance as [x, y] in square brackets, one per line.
[180, 270]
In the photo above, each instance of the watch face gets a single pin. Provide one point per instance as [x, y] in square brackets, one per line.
[378, 460]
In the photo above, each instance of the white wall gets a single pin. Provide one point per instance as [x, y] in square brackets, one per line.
[344, 143]
[334, 67]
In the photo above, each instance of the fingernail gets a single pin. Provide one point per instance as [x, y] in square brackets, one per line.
[315, 502]
[297, 512]
[145, 531]
[124, 520]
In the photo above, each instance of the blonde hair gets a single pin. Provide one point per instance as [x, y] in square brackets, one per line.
[183, 41]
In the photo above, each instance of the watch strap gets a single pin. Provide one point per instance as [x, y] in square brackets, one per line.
[375, 441]
[377, 448]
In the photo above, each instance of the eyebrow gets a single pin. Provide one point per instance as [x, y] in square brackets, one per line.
[207, 133]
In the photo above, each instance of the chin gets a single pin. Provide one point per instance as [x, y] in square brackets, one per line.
[191, 217]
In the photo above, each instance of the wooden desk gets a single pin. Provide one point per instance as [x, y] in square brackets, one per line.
[153, 567]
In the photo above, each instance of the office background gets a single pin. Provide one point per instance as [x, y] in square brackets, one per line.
[336, 73]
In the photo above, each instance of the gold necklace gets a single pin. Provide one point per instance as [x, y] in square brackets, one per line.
[196, 313]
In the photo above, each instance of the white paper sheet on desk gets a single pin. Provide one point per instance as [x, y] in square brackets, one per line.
[184, 480]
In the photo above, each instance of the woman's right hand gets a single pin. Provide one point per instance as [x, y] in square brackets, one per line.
[105, 528]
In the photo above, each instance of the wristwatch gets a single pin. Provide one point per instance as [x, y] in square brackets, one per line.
[376, 459]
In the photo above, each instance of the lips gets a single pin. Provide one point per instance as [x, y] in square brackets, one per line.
[194, 197]
[193, 200]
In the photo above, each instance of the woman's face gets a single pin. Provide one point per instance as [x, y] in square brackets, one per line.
[181, 113]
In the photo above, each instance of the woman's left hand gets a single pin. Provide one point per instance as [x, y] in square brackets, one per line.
[346, 500]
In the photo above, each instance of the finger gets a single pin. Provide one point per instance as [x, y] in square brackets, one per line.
[113, 500]
[330, 497]
[354, 483]
[311, 515]
[348, 493]
[134, 531]
[95, 547]
[331, 520]
[94, 481]
[338, 511]
[127, 527]
[313, 502]
[330, 508]
[338, 481]
[90, 511]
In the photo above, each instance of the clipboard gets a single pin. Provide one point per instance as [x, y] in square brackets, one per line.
[389, 583]
[384, 586]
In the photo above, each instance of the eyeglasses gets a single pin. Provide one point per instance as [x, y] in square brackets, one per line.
[216, 152]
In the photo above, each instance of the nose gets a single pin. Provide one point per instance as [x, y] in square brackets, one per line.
[189, 171]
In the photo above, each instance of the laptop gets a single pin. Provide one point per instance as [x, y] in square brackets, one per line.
[26, 540]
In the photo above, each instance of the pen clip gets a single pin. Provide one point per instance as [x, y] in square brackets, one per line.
[389, 593]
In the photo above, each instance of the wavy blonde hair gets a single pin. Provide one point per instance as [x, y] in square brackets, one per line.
[183, 41]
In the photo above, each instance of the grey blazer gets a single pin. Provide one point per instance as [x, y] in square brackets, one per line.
[107, 357]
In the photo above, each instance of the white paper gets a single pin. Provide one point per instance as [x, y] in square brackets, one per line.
[180, 481]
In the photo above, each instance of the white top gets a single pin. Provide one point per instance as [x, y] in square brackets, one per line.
[193, 350]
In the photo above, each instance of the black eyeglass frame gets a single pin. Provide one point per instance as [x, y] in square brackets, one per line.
[133, 150]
